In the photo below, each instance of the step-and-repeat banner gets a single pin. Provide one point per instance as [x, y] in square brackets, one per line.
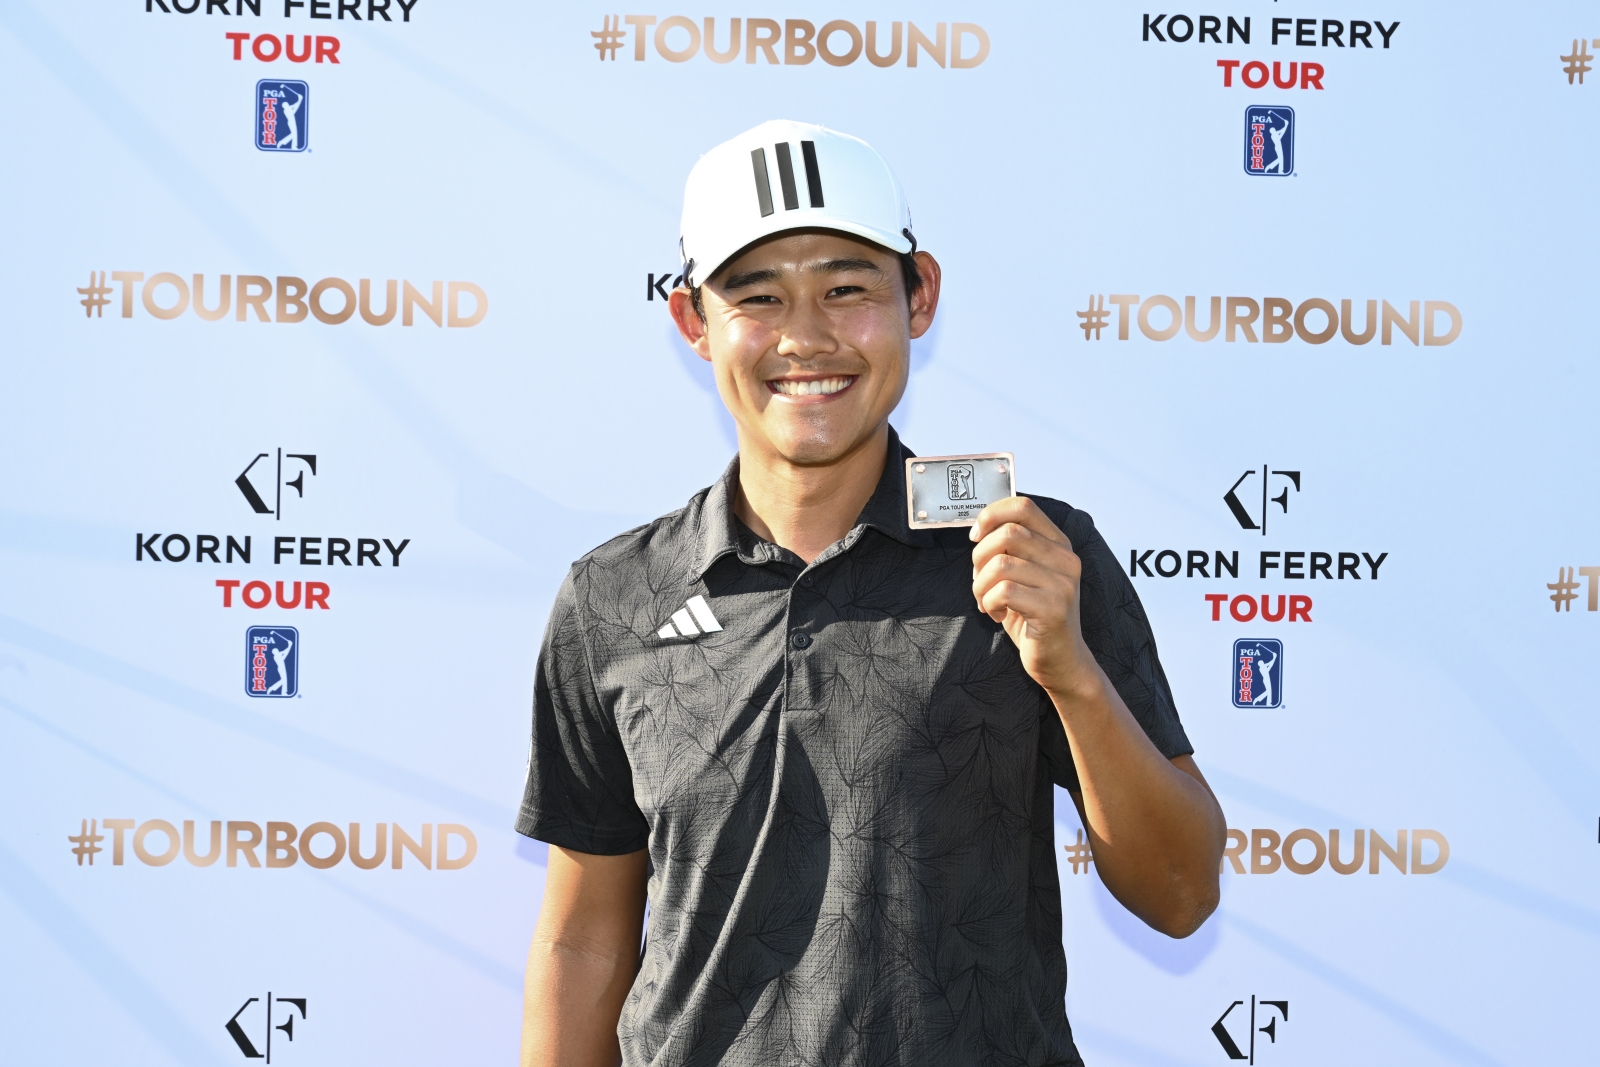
[335, 330]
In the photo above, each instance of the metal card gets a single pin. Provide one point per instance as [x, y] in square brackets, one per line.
[951, 490]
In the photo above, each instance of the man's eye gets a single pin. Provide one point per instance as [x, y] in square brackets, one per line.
[845, 290]
[767, 300]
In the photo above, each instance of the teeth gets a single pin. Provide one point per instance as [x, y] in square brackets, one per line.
[820, 387]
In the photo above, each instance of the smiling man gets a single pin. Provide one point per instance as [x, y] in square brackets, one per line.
[823, 744]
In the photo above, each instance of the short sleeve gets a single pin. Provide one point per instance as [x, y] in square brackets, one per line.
[579, 793]
[1118, 634]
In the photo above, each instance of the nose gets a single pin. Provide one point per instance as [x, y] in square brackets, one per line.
[806, 333]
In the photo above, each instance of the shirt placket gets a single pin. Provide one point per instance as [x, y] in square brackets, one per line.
[804, 640]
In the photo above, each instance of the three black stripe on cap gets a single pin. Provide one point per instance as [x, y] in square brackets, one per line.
[791, 194]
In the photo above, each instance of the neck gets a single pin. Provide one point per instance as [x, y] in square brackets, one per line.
[806, 509]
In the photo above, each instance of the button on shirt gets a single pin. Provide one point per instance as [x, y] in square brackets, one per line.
[843, 776]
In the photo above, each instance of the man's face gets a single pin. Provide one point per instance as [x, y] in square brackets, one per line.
[809, 335]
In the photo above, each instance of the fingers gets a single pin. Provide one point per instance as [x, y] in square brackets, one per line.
[1023, 563]
[1023, 512]
[1014, 539]
[1053, 588]
[1042, 608]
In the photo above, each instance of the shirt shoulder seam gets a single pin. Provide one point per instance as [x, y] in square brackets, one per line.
[588, 656]
[647, 531]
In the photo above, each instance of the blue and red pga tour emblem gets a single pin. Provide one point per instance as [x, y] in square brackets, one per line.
[1269, 141]
[283, 115]
[272, 661]
[1258, 673]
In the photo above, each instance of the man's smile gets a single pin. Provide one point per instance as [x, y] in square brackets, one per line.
[811, 386]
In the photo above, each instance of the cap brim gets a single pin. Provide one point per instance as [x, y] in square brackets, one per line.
[897, 243]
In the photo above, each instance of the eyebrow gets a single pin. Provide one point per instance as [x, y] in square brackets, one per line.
[750, 277]
[833, 266]
[836, 265]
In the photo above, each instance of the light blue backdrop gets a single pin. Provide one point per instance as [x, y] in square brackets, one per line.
[490, 143]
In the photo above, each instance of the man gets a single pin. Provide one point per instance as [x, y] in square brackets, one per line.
[821, 742]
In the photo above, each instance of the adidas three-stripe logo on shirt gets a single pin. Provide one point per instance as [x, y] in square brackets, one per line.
[691, 620]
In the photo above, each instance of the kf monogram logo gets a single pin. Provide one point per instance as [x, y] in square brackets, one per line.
[1231, 1046]
[242, 1039]
[1240, 512]
[257, 499]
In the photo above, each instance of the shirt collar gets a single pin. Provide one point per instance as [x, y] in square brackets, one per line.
[885, 511]
[720, 532]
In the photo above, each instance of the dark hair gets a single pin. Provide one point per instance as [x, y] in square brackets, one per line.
[908, 274]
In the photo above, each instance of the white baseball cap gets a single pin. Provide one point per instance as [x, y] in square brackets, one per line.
[786, 175]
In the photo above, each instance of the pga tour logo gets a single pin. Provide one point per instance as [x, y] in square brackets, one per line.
[272, 661]
[283, 115]
[1258, 673]
[960, 476]
[1269, 141]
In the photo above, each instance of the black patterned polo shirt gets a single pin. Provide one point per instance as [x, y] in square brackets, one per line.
[843, 776]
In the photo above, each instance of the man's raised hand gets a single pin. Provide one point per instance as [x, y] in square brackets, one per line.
[1025, 577]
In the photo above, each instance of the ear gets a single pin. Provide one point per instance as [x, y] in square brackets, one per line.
[690, 326]
[925, 301]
